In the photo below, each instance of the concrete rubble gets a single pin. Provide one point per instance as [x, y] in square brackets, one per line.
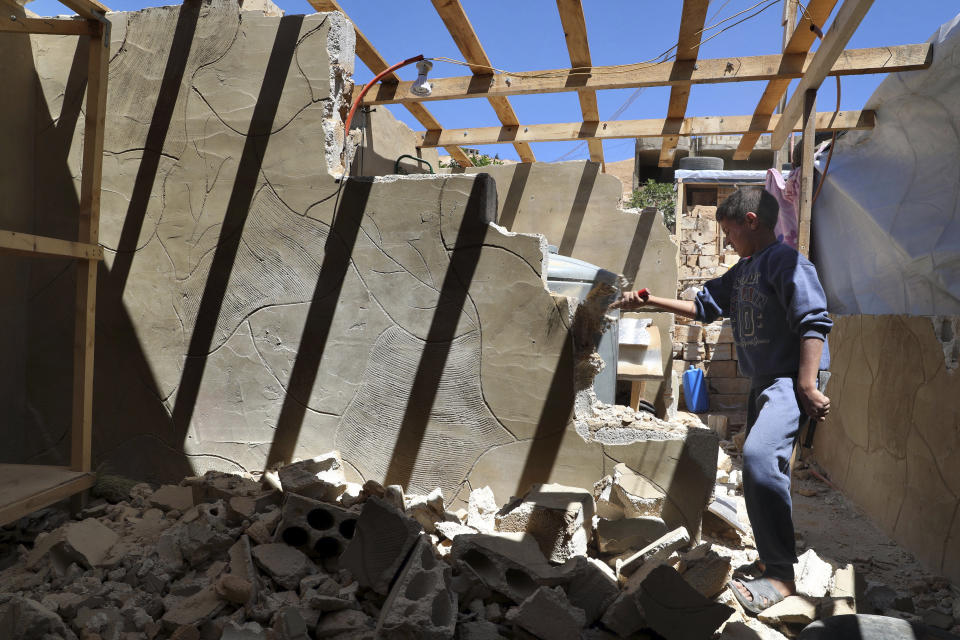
[180, 563]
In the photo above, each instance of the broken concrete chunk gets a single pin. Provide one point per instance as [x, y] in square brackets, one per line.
[706, 570]
[249, 631]
[750, 630]
[242, 567]
[319, 529]
[675, 610]
[658, 550]
[351, 495]
[637, 495]
[624, 616]
[171, 496]
[548, 614]
[235, 589]
[288, 624]
[617, 536]
[421, 603]
[320, 478]
[28, 619]
[393, 494]
[451, 530]
[812, 575]
[87, 543]
[560, 518]
[349, 621]
[479, 630]
[590, 585]
[427, 510]
[792, 609]
[381, 541]
[283, 563]
[509, 563]
[195, 609]
[482, 510]
[603, 498]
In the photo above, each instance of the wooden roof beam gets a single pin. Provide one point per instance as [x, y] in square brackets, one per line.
[847, 20]
[375, 62]
[454, 17]
[800, 42]
[613, 129]
[89, 9]
[578, 46]
[692, 19]
[744, 69]
[63, 27]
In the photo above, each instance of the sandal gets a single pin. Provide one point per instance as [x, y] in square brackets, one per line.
[764, 594]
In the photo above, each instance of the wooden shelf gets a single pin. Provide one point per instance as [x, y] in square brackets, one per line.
[24, 488]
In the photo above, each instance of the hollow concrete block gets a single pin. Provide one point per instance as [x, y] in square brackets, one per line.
[381, 542]
[319, 529]
[508, 563]
[421, 605]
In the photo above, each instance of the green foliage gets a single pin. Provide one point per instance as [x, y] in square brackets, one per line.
[657, 194]
[480, 160]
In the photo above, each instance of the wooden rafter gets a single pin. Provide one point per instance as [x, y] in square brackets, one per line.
[375, 62]
[90, 9]
[27, 244]
[848, 19]
[578, 46]
[711, 125]
[744, 69]
[692, 20]
[454, 17]
[63, 27]
[800, 42]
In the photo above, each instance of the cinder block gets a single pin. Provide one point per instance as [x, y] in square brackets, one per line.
[722, 369]
[508, 563]
[319, 529]
[560, 518]
[421, 603]
[721, 351]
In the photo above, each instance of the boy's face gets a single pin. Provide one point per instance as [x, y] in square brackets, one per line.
[741, 235]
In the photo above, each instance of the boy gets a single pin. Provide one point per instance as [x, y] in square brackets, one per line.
[778, 313]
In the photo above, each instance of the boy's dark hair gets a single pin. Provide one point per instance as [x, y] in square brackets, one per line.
[758, 200]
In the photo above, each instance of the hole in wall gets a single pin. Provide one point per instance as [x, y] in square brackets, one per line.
[320, 519]
[295, 536]
[347, 528]
[327, 547]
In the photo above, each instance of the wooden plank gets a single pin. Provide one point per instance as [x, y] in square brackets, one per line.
[457, 23]
[798, 42]
[692, 19]
[90, 9]
[613, 129]
[62, 27]
[27, 244]
[89, 231]
[25, 488]
[578, 47]
[664, 74]
[848, 19]
[369, 55]
[806, 175]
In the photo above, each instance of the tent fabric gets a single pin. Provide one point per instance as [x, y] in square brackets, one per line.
[886, 225]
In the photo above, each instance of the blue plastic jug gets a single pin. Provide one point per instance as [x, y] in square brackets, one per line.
[695, 390]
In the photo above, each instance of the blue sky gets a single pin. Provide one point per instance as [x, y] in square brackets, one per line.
[526, 35]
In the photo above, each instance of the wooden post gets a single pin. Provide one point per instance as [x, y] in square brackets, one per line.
[789, 24]
[89, 225]
[806, 177]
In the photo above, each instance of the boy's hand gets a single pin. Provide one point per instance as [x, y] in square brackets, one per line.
[631, 300]
[814, 403]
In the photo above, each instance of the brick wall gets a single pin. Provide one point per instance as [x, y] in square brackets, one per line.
[702, 254]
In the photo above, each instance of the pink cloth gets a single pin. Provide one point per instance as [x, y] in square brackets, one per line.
[787, 193]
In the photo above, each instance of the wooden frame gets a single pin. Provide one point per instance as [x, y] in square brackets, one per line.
[575, 32]
[25, 488]
[692, 20]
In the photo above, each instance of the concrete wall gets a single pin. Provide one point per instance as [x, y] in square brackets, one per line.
[382, 140]
[251, 308]
[578, 209]
[892, 441]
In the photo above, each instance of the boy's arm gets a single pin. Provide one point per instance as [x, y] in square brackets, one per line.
[814, 403]
[632, 300]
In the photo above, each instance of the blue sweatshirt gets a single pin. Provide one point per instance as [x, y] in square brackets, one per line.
[773, 299]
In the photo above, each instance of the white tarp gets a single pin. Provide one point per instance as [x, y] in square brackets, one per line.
[887, 222]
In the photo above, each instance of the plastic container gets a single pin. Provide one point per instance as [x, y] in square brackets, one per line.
[695, 390]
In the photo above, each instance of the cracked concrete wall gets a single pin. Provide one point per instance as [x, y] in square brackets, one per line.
[251, 308]
[892, 441]
[578, 209]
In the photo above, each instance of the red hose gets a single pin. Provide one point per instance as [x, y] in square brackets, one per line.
[369, 85]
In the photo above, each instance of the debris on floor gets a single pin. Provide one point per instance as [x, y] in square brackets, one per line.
[303, 554]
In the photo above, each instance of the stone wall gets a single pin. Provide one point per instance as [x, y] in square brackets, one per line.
[252, 309]
[703, 255]
[892, 440]
[577, 208]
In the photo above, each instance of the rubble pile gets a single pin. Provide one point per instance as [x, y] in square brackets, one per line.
[301, 554]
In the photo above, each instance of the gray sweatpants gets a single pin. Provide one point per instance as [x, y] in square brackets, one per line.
[774, 418]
